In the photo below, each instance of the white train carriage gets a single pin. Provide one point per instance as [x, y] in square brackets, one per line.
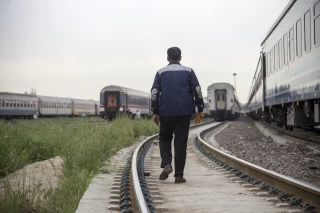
[222, 101]
[114, 99]
[18, 105]
[55, 106]
[83, 107]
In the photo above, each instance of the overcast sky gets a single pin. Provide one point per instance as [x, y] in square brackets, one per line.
[73, 48]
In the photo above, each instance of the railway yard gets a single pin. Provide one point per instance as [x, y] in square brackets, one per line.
[255, 152]
[231, 167]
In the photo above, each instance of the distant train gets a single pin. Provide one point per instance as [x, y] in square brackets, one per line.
[223, 103]
[115, 99]
[22, 105]
[286, 84]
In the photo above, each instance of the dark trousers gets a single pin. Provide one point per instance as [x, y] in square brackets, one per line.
[179, 125]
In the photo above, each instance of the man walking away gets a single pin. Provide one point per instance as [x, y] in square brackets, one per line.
[174, 94]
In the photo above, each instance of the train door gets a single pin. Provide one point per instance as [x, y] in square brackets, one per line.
[221, 99]
[112, 101]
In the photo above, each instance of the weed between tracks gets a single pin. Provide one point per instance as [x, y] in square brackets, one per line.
[83, 143]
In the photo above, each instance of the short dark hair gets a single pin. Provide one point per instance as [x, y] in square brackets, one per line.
[174, 53]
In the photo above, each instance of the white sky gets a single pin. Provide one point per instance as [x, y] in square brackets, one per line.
[73, 48]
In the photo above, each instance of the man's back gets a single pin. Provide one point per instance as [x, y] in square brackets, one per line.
[177, 84]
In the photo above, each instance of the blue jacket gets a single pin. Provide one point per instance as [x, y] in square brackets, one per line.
[176, 91]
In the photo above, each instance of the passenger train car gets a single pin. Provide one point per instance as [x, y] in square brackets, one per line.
[83, 107]
[223, 102]
[286, 83]
[54, 106]
[115, 99]
[22, 105]
[13, 104]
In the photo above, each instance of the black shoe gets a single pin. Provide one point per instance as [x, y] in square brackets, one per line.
[180, 180]
[165, 173]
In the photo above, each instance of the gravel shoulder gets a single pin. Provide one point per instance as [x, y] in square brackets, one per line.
[296, 160]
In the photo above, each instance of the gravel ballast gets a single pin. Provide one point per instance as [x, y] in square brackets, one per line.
[246, 142]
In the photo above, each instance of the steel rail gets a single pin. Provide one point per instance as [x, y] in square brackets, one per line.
[139, 198]
[309, 193]
[314, 139]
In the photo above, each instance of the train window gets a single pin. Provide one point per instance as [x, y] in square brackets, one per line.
[285, 49]
[271, 63]
[222, 97]
[298, 38]
[280, 54]
[14, 104]
[275, 58]
[267, 65]
[307, 31]
[0, 103]
[317, 23]
[291, 45]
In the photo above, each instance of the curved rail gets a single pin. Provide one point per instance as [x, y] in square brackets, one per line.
[311, 139]
[309, 193]
[140, 201]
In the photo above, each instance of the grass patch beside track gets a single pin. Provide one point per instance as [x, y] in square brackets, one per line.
[83, 143]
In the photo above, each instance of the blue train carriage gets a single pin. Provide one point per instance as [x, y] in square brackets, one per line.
[18, 105]
[290, 61]
[83, 107]
[55, 106]
[115, 99]
[255, 104]
[222, 101]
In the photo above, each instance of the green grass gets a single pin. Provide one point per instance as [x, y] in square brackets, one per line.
[84, 144]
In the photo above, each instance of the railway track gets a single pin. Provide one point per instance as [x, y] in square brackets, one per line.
[209, 186]
[296, 136]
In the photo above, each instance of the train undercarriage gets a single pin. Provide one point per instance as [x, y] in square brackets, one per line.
[289, 115]
[222, 115]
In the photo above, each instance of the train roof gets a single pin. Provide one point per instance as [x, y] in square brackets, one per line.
[220, 85]
[284, 12]
[18, 96]
[126, 90]
[54, 99]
